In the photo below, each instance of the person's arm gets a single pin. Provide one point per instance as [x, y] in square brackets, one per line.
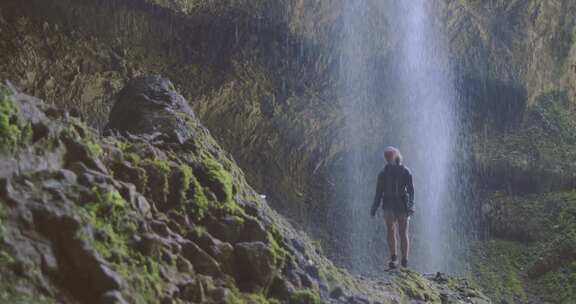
[410, 190]
[378, 196]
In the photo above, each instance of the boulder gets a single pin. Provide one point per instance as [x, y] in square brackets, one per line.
[255, 267]
[192, 291]
[112, 297]
[228, 228]
[150, 105]
[201, 260]
[253, 231]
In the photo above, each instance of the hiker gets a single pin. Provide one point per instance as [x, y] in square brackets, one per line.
[395, 193]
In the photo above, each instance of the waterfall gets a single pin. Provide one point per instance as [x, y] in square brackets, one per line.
[397, 89]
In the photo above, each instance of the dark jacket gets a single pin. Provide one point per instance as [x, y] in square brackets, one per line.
[394, 189]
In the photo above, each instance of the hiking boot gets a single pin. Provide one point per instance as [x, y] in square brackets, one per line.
[393, 262]
[404, 263]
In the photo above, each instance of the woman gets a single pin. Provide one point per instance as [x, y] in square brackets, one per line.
[396, 194]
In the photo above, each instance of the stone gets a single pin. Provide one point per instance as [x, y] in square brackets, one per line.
[183, 265]
[312, 271]
[150, 245]
[126, 172]
[160, 228]
[224, 254]
[150, 104]
[281, 288]
[336, 293]
[202, 261]
[250, 207]
[112, 297]
[255, 266]
[227, 229]
[221, 295]
[253, 231]
[192, 291]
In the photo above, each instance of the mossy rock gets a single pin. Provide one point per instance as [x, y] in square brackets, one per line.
[415, 286]
[13, 131]
[213, 174]
[304, 296]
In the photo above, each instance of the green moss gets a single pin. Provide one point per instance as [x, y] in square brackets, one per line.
[278, 252]
[415, 286]
[113, 222]
[333, 274]
[12, 131]
[108, 215]
[498, 267]
[237, 297]
[94, 149]
[256, 299]
[158, 173]
[180, 184]
[559, 286]
[6, 258]
[133, 158]
[10, 294]
[546, 223]
[218, 179]
[553, 115]
[304, 296]
[200, 203]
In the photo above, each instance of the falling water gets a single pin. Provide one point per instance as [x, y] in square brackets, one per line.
[408, 101]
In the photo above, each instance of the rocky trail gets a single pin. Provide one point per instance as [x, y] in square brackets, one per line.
[157, 212]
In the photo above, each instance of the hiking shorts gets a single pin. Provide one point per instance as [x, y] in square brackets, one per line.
[395, 208]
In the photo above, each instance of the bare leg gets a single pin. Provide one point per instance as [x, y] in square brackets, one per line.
[391, 232]
[403, 230]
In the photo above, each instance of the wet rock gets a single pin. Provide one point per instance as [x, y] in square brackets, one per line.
[183, 265]
[201, 260]
[358, 300]
[78, 152]
[280, 288]
[253, 231]
[312, 271]
[337, 292]
[124, 171]
[112, 297]
[150, 104]
[227, 229]
[251, 208]
[160, 228]
[224, 254]
[180, 219]
[255, 266]
[298, 245]
[221, 295]
[149, 245]
[192, 291]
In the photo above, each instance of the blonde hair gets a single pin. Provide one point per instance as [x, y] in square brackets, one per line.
[397, 155]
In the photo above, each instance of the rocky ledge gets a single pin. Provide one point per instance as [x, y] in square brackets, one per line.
[157, 212]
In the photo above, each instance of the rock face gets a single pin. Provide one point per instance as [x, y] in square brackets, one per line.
[79, 231]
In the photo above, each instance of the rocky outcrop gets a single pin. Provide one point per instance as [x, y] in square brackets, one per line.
[182, 226]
